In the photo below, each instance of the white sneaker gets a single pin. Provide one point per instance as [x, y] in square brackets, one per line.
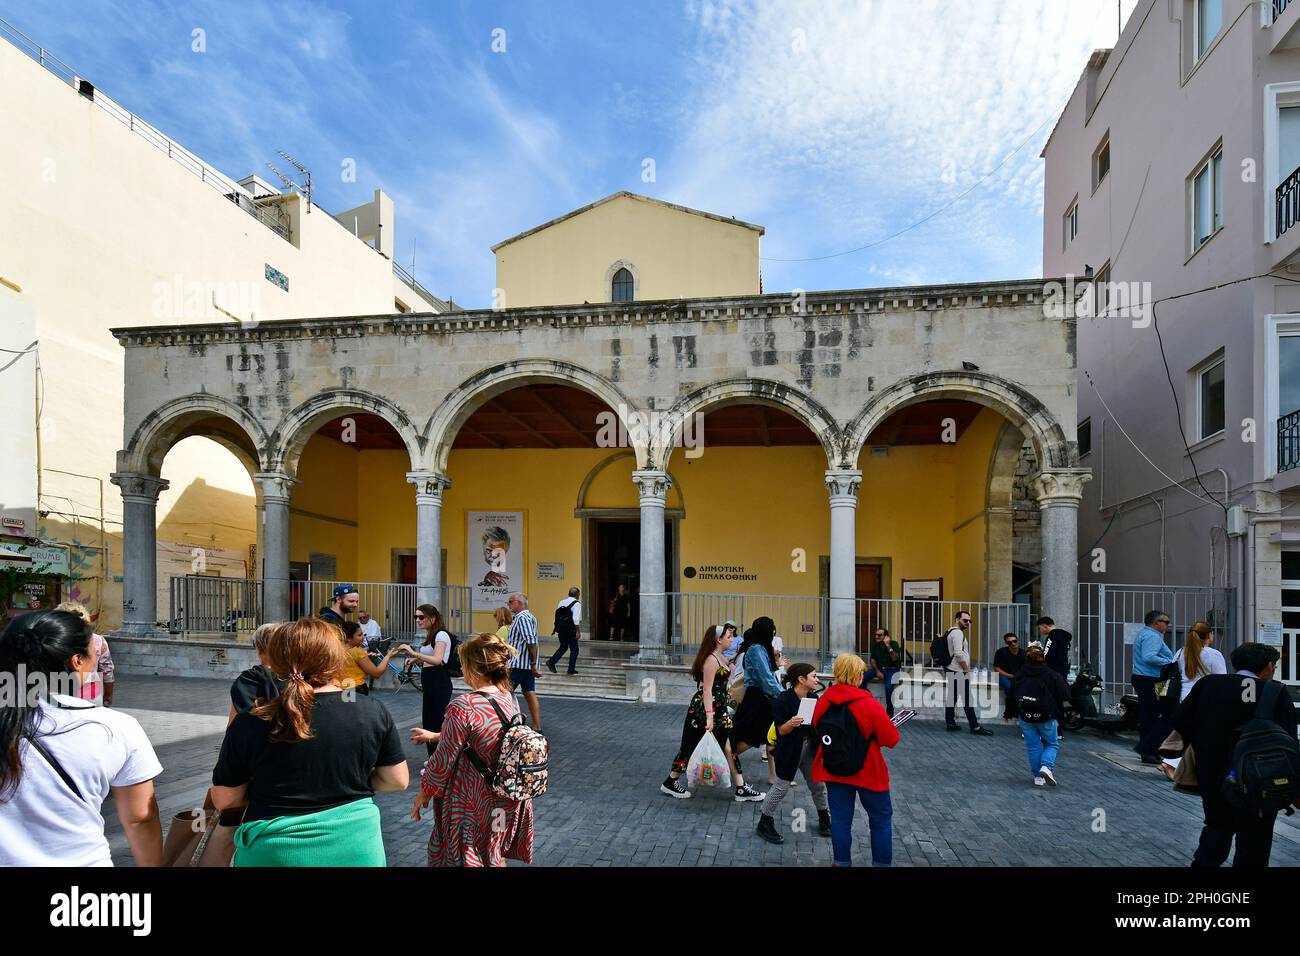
[1039, 781]
[1046, 774]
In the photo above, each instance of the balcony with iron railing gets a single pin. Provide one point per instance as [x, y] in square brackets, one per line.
[1288, 442]
[1283, 24]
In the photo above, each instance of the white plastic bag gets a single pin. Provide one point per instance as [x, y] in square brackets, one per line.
[708, 765]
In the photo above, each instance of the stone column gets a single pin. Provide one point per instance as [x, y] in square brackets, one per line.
[1059, 492]
[653, 487]
[842, 483]
[429, 487]
[277, 490]
[139, 549]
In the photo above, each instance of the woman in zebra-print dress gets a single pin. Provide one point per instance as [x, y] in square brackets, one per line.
[472, 826]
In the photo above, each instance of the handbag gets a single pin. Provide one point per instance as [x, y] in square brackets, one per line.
[1185, 775]
[1174, 746]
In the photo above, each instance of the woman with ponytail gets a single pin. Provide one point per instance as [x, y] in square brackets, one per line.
[472, 826]
[309, 761]
[1196, 659]
[62, 756]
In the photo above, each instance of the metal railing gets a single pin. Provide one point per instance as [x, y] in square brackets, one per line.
[234, 606]
[267, 212]
[1287, 204]
[1279, 7]
[1288, 441]
[803, 622]
[213, 605]
[1110, 615]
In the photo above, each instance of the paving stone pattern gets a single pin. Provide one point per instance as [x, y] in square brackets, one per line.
[958, 800]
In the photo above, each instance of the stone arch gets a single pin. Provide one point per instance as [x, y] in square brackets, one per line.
[1008, 399]
[297, 427]
[192, 415]
[461, 402]
[604, 463]
[742, 391]
[613, 270]
[999, 504]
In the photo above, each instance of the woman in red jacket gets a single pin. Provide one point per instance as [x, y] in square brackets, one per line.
[870, 784]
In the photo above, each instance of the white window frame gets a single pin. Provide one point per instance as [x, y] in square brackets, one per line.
[1276, 96]
[1216, 191]
[1198, 54]
[1101, 290]
[1198, 375]
[1275, 327]
[1102, 147]
[1071, 213]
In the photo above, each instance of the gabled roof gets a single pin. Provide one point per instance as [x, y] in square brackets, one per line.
[732, 221]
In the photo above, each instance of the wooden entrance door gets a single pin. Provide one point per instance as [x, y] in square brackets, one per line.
[866, 584]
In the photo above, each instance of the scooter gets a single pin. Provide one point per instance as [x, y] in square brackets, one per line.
[1081, 709]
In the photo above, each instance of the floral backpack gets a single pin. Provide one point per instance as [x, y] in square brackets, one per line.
[520, 772]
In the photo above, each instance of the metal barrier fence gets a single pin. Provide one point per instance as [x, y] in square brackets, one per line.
[210, 604]
[200, 604]
[802, 622]
[1110, 615]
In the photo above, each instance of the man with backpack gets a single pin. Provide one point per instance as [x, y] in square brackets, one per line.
[1241, 729]
[568, 620]
[952, 653]
[1038, 695]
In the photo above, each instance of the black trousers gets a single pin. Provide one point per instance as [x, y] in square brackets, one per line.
[951, 684]
[437, 695]
[1254, 835]
[1153, 723]
[567, 643]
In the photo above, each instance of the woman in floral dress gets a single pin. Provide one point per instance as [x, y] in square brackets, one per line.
[472, 826]
[710, 671]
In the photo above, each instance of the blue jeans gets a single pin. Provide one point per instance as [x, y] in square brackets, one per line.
[880, 815]
[1005, 684]
[1041, 743]
[891, 675]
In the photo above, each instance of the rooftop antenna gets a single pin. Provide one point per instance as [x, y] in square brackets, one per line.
[304, 187]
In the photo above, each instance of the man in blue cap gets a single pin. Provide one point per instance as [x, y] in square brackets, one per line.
[346, 600]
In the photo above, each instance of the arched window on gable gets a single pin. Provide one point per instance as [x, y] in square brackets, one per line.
[621, 286]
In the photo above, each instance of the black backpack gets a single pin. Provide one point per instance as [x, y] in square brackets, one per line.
[1264, 776]
[564, 625]
[1034, 701]
[939, 650]
[452, 663]
[844, 749]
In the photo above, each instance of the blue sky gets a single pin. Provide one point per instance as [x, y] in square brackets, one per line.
[831, 123]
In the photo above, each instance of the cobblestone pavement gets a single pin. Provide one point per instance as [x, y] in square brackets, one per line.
[958, 800]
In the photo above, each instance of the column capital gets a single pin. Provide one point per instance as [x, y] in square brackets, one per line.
[842, 483]
[1060, 487]
[139, 487]
[652, 485]
[429, 486]
[275, 485]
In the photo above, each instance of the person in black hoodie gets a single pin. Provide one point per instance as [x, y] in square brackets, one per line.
[1209, 721]
[1056, 645]
[794, 751]
[1040, 693]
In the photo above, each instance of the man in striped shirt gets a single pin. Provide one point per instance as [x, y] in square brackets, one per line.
[523, 666]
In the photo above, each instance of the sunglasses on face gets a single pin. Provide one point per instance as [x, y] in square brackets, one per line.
[419, 617]
[1013, 641]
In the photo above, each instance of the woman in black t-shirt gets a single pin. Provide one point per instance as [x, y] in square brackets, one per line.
[309, 761]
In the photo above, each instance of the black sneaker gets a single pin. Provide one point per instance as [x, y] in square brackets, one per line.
[767, 829]
[981, 732]
[951, 727]
[675, 788]
[551, 665]
[571, 673]
[747, 794]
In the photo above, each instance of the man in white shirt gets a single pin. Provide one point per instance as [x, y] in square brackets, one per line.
[957, 677]
[370, 630]
[568, 624]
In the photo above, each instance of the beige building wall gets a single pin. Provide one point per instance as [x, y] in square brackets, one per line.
[100, 228]
[672, 252]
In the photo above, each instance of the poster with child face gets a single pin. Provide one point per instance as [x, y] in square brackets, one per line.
[495, 549]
